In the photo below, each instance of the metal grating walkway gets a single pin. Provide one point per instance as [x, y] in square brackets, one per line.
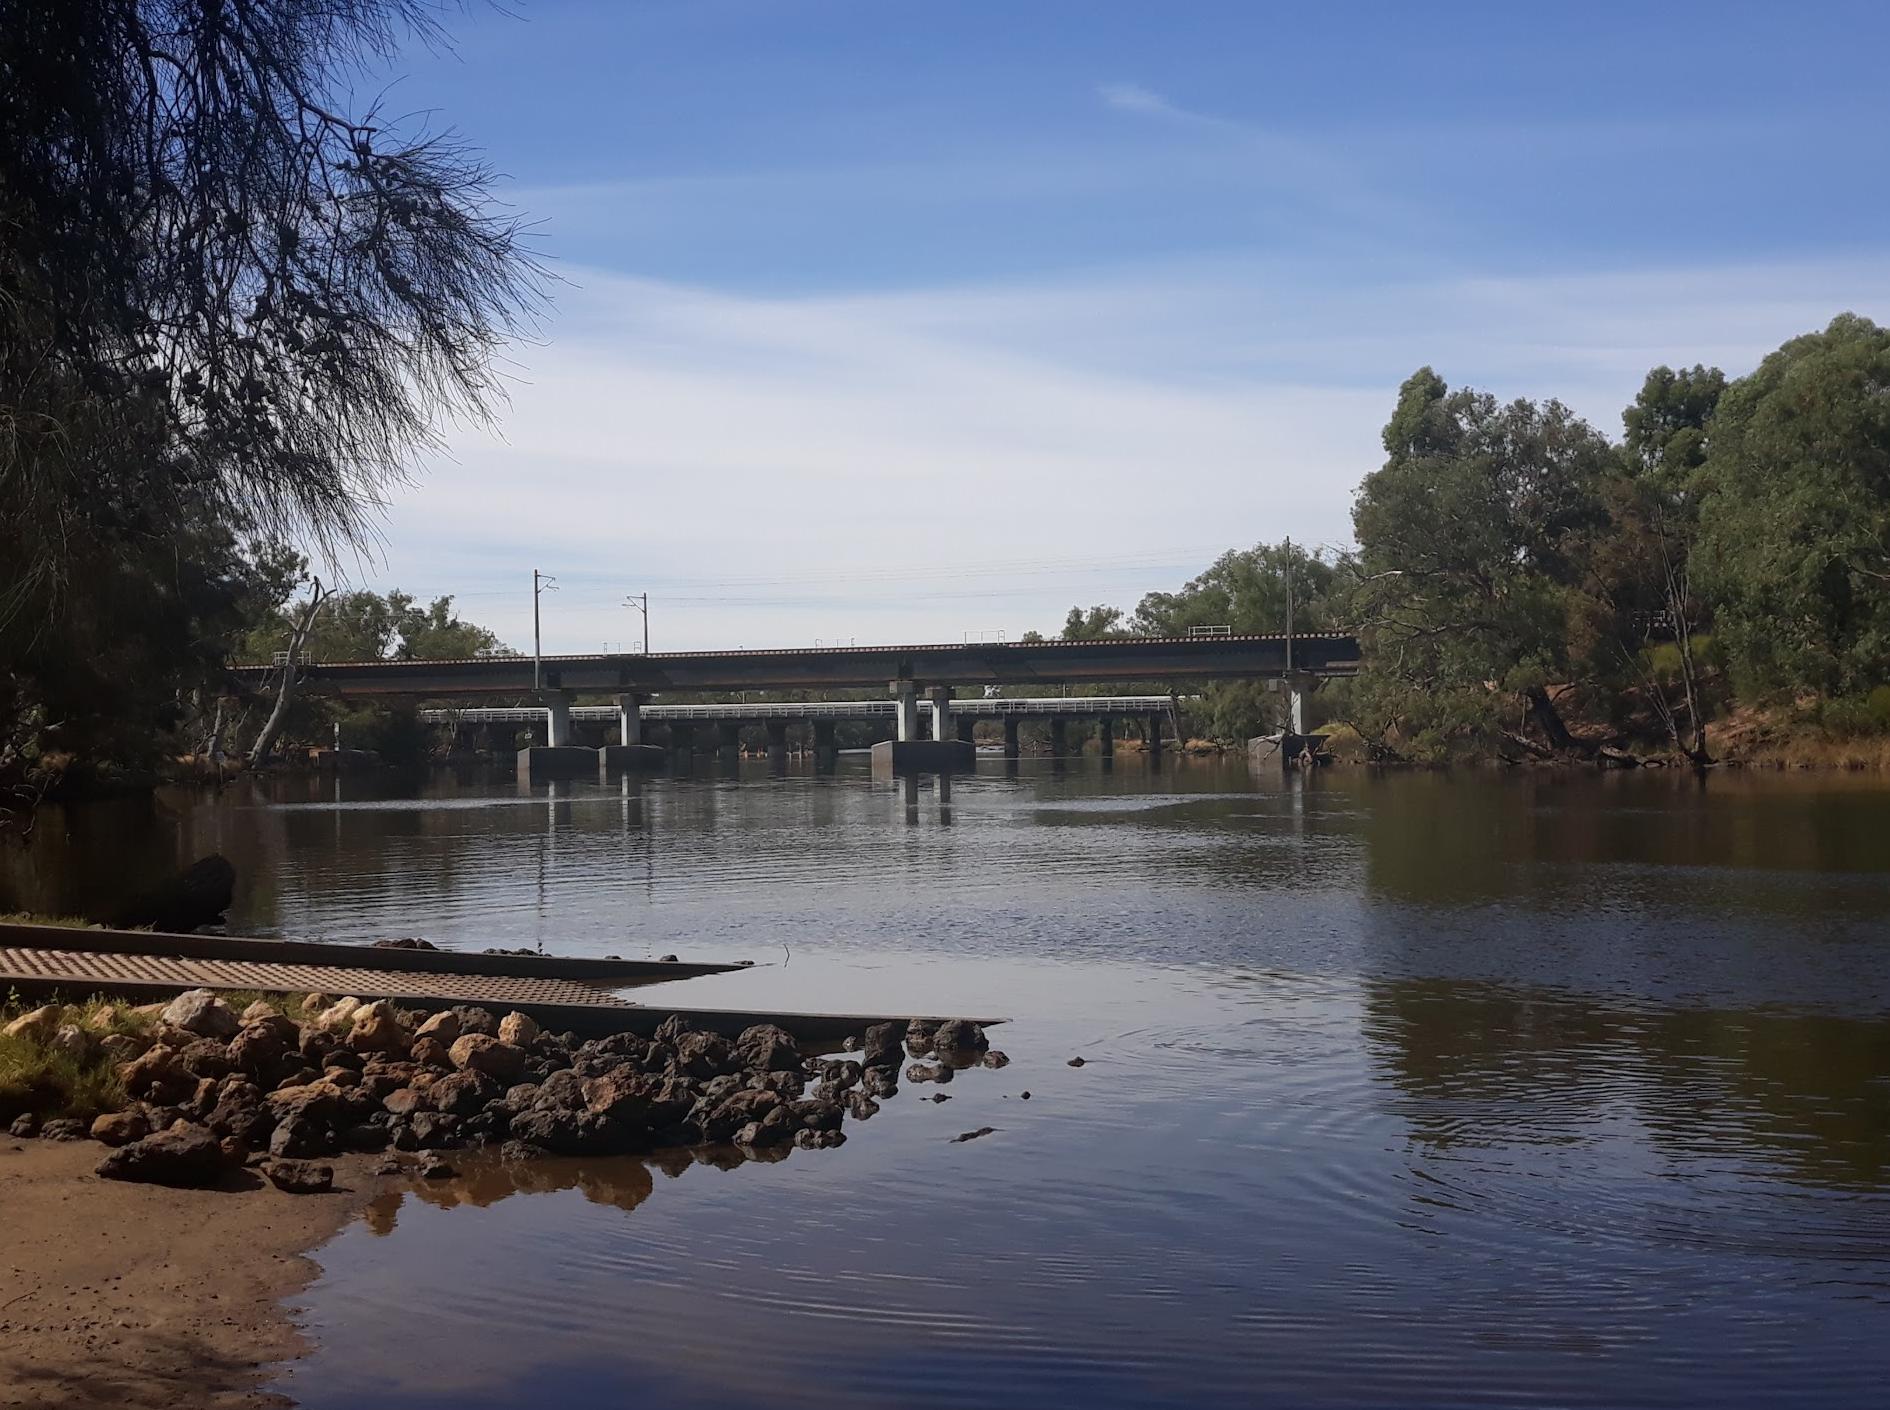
[85, 971]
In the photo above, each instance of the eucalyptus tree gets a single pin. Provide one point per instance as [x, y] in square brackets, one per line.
[1472, 540]
[1795, 515]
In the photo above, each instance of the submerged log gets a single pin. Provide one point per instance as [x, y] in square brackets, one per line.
[197, 896]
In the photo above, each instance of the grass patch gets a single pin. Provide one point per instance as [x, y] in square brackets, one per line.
[36, 1078]
[28, 918]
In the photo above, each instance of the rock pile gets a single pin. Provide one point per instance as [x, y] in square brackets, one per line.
[210, 1087]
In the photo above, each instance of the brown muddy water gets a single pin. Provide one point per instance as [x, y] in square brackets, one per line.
[1411, 1090]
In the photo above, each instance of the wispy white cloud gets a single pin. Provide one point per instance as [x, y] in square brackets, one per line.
[931, 462]
[1134, 98]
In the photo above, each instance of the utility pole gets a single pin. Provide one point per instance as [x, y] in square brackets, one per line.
[1289, 607]
[541, 583]
[641, 602]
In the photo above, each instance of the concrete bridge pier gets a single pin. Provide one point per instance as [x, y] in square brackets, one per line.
[1059, 736]
[728, 742]
[629, 752]
[1155, 737]
[826, 752]
[966, 728]
[941, 713]
[905, 711]
[908, 749]
[557, 757]
[1011, 747]
[777, 741]
[1106, 737]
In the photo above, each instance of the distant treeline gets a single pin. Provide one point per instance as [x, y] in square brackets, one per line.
[1524, 584]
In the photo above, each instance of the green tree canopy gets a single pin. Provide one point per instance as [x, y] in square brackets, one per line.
[1472, 537]
[1795, 518]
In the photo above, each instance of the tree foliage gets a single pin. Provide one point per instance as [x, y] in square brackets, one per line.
[1795, 514]
[230, 310]
[1472, 540]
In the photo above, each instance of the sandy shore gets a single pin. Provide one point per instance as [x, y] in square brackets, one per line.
[135, 1297]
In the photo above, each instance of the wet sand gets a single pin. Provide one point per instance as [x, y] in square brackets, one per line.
[136, 1296]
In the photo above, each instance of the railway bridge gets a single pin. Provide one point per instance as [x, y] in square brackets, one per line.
[920, 683]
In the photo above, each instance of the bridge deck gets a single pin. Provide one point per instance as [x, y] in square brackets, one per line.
[1105, 660]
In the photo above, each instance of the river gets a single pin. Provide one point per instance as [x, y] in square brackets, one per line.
[1400, 1089]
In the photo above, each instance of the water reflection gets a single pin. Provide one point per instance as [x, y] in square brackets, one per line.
[1401, 1089]
[483, 1180]
[1773, 1093]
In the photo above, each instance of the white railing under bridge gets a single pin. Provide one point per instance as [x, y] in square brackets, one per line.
[1069, 706]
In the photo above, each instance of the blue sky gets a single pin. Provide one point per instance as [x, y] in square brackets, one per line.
[898, 320]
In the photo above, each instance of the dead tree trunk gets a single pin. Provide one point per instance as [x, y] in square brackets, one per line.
[1549, 720]
[285, 692]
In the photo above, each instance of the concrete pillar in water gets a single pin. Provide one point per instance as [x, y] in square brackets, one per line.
[825, 751]
[557, 718]
[728, 741]
[1011, 749]
[1155, 736]
[777, 741]
[1106, 737]
[1059, 736]
[630, 719]
[941, 712]
[906, 710]
[966, 726]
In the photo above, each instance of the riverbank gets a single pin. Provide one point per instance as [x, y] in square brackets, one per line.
[126, 1296]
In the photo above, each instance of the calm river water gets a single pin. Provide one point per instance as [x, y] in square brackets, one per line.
[1400, 1089]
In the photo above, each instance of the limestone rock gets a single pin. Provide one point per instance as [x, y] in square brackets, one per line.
[259, 1046]
[819, 1140]
[72, 1042]
[430, 1052]
[496, 1059]
[241, 1111]
[338, 1017]
[259, 1010]
[36, 1027]
[184, 1157]
[120, 1048]
[154, 1071]
[299, 1177]
[314, 1101]
[767, 1048]
[473, 1019]
[959, 1039]
[205, 1058]
[405, 1102]
[926, 1072]
[464, 1093]
[121, 1128]
[201, 1012]
[520, 1030]
[377, 1028]
[560, 1091]
[299, 1138]
[705, 1055]
[881, 1047]
[442, 1027]
[62, 1128]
